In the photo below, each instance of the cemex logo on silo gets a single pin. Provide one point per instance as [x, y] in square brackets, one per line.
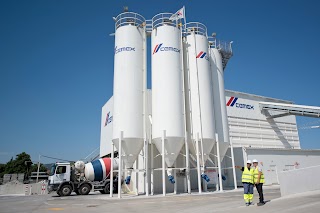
[108, 119]
[161, 48]
[121, 49]
[202, 54]
[233, 102]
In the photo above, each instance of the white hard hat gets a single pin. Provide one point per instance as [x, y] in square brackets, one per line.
[249, 161]
[254, 161]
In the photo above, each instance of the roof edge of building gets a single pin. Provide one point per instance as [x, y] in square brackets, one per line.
[259, 96]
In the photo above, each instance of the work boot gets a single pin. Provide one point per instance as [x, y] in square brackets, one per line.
[247, 204]
[261, 204]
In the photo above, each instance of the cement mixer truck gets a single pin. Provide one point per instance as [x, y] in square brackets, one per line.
[81, 178]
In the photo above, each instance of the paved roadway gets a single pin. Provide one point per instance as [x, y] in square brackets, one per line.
[231, 201]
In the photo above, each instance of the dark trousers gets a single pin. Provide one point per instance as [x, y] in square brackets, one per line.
[260, 191]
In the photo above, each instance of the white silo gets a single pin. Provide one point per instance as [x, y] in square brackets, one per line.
[167, 88]
[219, 98]
[220, 52]
[200, 97]
[129, 87]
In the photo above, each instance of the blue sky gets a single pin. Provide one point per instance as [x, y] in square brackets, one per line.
[56, 64]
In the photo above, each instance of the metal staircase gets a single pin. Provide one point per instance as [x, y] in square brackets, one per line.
[225, 49]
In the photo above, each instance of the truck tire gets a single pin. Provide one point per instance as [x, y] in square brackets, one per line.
[106, 189]
[84, 189]
[65, 190]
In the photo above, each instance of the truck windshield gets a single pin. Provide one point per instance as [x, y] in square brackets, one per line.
[53, 169]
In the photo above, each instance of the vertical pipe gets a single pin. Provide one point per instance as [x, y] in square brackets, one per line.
[185, 119]
[145, 108]
[137, 175]
[163, 165]
[38, 169]
[198, 163]
[202, 162]
[120, 164]
[175, 178]
[111, 170]
[188, 166]
[146, 167]
[216, 167]
[219, 164]
[233, 167]
[151, 162]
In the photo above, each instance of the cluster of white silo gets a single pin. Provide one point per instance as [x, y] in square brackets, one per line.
[188, 100]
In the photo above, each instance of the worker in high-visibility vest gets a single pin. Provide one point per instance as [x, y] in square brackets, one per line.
[247, 181]
[258, 179]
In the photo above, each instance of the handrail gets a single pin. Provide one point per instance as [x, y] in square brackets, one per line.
[221, 45]
[195, 27]
[164, 19]
[130, 18]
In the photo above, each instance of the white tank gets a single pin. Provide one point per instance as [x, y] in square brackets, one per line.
[199, 80]
[79, 165]
[167, 97]
[219, 100]
[128, 84]
[98, 170]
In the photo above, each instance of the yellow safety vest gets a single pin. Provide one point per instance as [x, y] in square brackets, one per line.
[247, 176]
[256, 174]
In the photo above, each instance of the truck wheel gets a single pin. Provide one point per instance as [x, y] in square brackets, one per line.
[65, 190]
[107, 188]
[84, 189]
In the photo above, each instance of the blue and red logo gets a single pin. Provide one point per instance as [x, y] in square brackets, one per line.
[108, 119]
[159, 47]
[202, 54]
[233, 102]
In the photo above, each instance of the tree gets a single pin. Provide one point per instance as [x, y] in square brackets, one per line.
[34, 168]
[21, 164]
[2, 167]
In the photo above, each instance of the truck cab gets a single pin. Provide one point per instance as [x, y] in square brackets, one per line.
[59, 173]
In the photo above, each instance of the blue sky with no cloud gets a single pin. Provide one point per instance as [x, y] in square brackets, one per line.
[56, 64]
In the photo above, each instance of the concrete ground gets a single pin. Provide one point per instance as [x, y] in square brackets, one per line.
[230, 201]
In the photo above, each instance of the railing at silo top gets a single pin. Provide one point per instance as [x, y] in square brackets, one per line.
[224, 47]
[129, 18]
[196, 28]
[166, 19]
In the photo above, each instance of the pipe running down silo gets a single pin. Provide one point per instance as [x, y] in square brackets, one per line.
[167, 99]
[200, 97]
[129, 88]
